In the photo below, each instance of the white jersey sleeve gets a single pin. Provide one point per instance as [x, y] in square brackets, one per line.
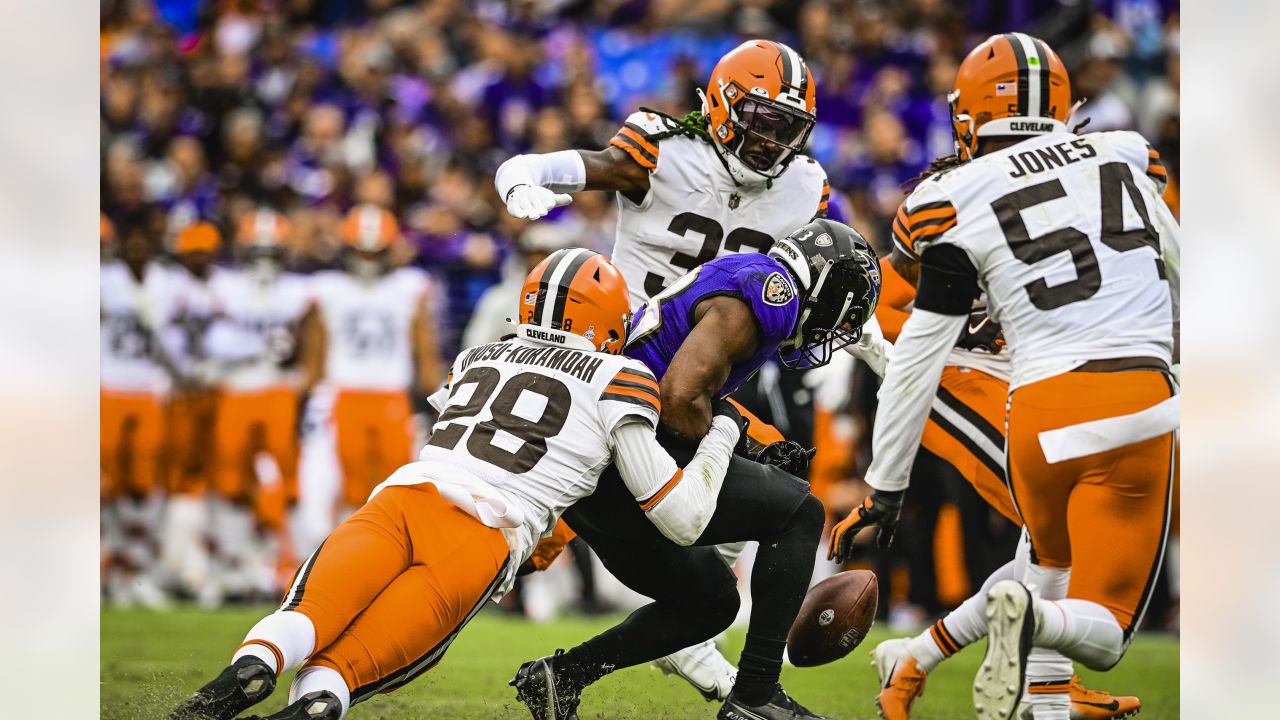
[631, 393]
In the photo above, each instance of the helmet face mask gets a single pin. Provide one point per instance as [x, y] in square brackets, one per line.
[839, 277]
[760, 108]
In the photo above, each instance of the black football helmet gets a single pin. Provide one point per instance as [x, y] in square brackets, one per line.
[839, 279]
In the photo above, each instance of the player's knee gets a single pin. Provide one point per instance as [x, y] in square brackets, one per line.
[724, 610]
[810, 517]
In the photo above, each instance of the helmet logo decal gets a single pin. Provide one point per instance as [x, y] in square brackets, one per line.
[824, 240]
[531, 297]
[777, 291]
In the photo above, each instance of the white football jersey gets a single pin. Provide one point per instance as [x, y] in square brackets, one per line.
[535, 422]
[258, 327]
[132, 316]
[191, 313]
[368, 327]
[1067, 233]
[694, 212]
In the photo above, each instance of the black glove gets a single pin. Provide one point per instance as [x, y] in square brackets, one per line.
[723, 407]
[981, 333]
[880, 509]
[787, 455]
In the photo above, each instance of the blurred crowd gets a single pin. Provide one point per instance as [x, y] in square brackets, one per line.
[215, 110]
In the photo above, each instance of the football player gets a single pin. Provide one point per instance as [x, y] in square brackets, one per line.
[371, 338]
[703, 337]
[729, 179]
[133, 383]
[192, 412]
[965, 429]
[526, 427]
[1078, 258]
[255, 474]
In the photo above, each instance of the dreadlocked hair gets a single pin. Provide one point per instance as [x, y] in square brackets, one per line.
[936, 166]
[694, 124]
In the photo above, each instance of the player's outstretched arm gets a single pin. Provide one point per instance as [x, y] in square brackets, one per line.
[724, 332]
[678, 501]
[532, 185]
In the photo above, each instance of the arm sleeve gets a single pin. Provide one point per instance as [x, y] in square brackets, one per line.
[910, 383]
[679, 502]
[561, 171]
[948, 281]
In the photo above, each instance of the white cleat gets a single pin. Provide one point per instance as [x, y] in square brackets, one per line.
[703, 667]
[1011, 624]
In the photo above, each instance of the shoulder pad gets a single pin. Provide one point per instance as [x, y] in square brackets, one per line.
[648, 124]
[1133, 148]
[923, 217]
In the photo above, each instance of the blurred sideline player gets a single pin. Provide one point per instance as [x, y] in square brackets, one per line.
[1092, 411]
[133, 384]
[381, 600]
[728, 179]
[965, 429]
[370, 337]
[256, 447]
[192, 413]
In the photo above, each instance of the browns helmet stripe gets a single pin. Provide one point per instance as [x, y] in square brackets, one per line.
[795, 81]
[540, 303]
[1024, 72]
[561, 288]
[1043, 71]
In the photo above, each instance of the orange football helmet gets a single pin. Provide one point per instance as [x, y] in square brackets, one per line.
[761, 106]
[370, 228]
[1012, 84]
[578, 299]
[263, 228]
[199, 237]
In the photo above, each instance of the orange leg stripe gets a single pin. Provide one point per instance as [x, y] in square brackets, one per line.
[938, 638]
[1050, 688]
[657, 497]
[942, 629]
[268, 645]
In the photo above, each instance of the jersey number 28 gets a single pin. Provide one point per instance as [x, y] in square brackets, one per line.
[533, 434]
[1114, 178]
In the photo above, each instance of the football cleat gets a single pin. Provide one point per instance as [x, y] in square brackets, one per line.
[318, 705]
[240, 686]
[1089, 704]
[549, 695]
[703, 667]
[779, 707]
[1011, 624]
[901, 679]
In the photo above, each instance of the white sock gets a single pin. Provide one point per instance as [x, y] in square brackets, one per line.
[959, 628]
[317, 677]
[283, 640]
[1080, 629]
[1048, 671]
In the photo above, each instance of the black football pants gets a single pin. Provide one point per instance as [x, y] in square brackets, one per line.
[694, 592]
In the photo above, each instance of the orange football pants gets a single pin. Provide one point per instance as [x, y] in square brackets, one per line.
[131, 442]
[966, 429]
[394, 584]
[250, 423]
[191, 420]
[1106, 515]
[374, 432]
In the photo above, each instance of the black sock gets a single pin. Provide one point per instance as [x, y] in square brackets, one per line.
[581, 665]
[758, 669]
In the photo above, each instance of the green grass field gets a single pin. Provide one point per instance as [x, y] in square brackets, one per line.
[150, 660]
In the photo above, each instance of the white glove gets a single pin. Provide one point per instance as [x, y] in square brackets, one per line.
[531, 202]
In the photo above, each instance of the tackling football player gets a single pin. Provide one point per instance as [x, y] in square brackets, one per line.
[526, 427]
[728, 179]
[1077, 254]
[703, 337]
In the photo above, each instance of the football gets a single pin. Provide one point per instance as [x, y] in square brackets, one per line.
[836, 615]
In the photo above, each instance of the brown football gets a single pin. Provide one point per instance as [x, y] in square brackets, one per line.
[835, 617]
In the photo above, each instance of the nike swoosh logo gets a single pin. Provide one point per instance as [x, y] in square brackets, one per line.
[975, 328]
[1113, 705]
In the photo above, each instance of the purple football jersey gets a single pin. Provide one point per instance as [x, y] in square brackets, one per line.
[663, 323]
